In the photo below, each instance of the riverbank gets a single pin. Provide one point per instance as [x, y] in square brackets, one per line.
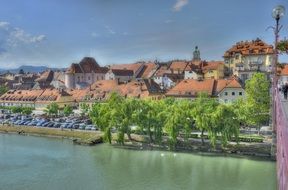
[260, 150]
[140, 142]
[78, 137]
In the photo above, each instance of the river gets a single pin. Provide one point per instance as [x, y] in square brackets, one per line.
[37, 163]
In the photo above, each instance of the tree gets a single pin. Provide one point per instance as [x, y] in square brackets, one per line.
[226, 124]
[84, 109]
[67, 110]
[27, 110]
[16, 109]
[258, 100]
[3, 90]
[203, 113]
[52, 109]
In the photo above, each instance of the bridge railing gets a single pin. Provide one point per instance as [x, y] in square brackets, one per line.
[282, 143]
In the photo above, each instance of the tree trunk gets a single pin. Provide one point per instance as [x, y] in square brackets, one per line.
[202, 136]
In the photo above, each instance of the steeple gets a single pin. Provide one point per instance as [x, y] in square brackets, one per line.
[196, 54]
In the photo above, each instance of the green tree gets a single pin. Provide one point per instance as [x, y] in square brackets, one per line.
[258, 100]
[68, 110]
[84, 108]
[203, 113]
[3, 90]
[226, 124]
[27, 110]
[16, 109]
[52, 109]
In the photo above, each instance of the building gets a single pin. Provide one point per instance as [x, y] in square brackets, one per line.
[246, 57]
[23, 98]
[44, 80]
[204, 70]
[120, 75]
[226, 90]
[59, 96]
[80, 75]
[169, 74]
[213, 70]
[229, 90]
[190, 88]
[283, 74]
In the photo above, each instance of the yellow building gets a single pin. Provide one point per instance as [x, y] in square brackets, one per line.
[246, 57]
[213, 70]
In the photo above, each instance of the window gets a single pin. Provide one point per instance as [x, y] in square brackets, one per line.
[226, 93]
[225, 100]
[240, 93]
[237, 57]
[233, 93]
[89, 78]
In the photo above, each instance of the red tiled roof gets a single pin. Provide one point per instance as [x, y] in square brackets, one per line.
[178, 66]
[86, 65]
[147, 71]
[191, 87]
[254, 47]
[134, 66]
[21, 95]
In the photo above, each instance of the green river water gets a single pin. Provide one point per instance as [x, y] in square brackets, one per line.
[37, 163]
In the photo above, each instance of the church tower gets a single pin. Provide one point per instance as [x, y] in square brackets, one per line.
[196, 54]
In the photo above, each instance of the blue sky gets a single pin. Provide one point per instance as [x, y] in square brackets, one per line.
[58, 32]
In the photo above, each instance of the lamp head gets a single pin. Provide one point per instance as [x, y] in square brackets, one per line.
[278, 12]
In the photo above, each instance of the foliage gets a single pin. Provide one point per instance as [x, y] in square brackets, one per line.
[68, 110]
[282, 46]
[84, 109]
[258, 99]
[27, 110]
[52, 109]
[203, 115]
[3, 90]
[16, 109]
[171, 117]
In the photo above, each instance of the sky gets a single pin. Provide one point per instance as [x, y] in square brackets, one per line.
[56, 33]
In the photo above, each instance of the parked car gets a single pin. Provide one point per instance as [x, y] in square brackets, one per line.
[82, 126]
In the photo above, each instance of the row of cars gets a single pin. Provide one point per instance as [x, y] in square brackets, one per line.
[68, 123]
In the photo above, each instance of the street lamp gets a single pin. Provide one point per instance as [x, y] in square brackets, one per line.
[277, 13]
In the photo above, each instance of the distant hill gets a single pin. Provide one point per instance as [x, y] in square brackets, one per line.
[30, 69]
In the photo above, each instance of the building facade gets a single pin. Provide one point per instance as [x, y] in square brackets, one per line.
[245, 58]
[83, 74]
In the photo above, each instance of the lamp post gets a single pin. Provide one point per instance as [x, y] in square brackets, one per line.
[277, 13]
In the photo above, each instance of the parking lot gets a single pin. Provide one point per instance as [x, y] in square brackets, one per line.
[39, 121]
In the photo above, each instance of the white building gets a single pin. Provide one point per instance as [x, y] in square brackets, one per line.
[84, 74]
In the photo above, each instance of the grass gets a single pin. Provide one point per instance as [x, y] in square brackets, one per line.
[79, 137]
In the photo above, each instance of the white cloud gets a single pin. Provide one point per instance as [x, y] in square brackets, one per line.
[18, 36]
[95, 35]
[179, 5]
[110, 30]
[168, 21]
[4, 25]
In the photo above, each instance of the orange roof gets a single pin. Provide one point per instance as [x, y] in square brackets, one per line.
[86, 65]
[226, 83]
[21, 95]
[178, 66]
[147, 71]
[191, 87]
[284, 71]
[212, 65]
[134, 66]
[254, 47]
